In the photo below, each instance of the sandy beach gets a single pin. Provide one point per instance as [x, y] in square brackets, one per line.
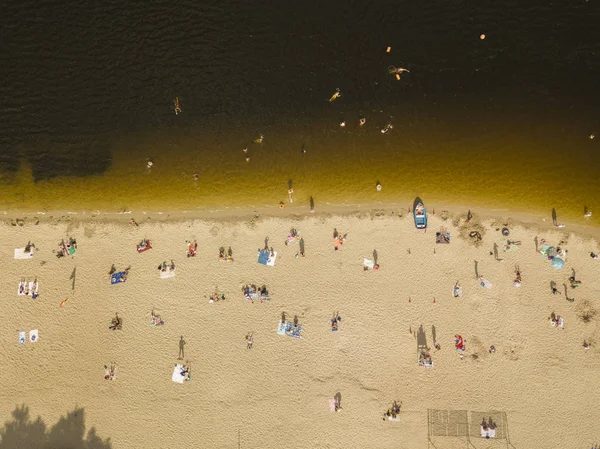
[277, 393]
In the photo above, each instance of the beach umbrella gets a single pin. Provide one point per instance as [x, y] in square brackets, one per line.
[558, 263]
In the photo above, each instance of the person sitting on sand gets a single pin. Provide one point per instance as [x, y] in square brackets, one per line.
[163, 266]
[155, 319]
[249, 341]
[115, 323]
[192, 248]
[484, 425]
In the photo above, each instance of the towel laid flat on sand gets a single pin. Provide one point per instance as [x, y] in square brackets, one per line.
[117, 278]
[33, 335]
[177, 377]
[281, 328]
[21, 254]
[396, 419]
[332, 405]
[488, 433]
[369, 263]
[28, 288]
[167, 274]
[22, 337]
[265, 258]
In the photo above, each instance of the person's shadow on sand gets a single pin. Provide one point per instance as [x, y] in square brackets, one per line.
[181, 349]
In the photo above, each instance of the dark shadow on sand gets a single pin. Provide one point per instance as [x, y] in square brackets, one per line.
[68, 433]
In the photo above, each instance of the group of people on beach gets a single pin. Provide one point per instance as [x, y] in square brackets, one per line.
[67, 248]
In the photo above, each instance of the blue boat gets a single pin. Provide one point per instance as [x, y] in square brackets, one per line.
[420, 214]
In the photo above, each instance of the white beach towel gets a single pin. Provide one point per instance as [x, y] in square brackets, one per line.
[281, 328]
[396, 419]
[33, 335]
[272, 259]
[21, 254]
[168, 274]
[29, 288]
[22, 337]
[177, 377]
[370, 264]
[489, 433]
[486, 283]
[332, 405]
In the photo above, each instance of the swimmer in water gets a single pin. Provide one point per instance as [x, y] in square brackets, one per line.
[149, 164]
[362, 121]
[260, 139]
[245, 149]
[336, 95]
[196, 176]
[387, 128]
[342, 124]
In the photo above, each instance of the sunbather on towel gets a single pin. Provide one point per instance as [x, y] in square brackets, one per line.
[185, 371]
[458, 343]
[334, 322]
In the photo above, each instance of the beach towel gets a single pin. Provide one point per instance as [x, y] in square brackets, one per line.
[292, 331]
[281, 327]
[22, 337]
[263, 256]
[560, 324]
[396, 419]
[487, 433]
[177, 377]
[271, 259]
[117, 278]
[370, 264]
[167, 274]
[33, 335]
[21, 254]
[28, 288]
[485, 283]
[332, 405]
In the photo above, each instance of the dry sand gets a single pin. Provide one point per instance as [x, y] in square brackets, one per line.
[276, 395]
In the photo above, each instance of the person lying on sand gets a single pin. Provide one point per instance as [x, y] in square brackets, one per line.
[517, 281]
[249, 341]
[334, 321]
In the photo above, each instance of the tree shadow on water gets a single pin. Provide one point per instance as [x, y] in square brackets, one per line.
[67, 433]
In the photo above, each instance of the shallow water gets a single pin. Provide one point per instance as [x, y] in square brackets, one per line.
[501, 122]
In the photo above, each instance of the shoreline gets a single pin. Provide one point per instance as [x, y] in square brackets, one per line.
[583, 227]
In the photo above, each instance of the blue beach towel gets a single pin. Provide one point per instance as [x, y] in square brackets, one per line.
[263, 256]
[117, 278]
